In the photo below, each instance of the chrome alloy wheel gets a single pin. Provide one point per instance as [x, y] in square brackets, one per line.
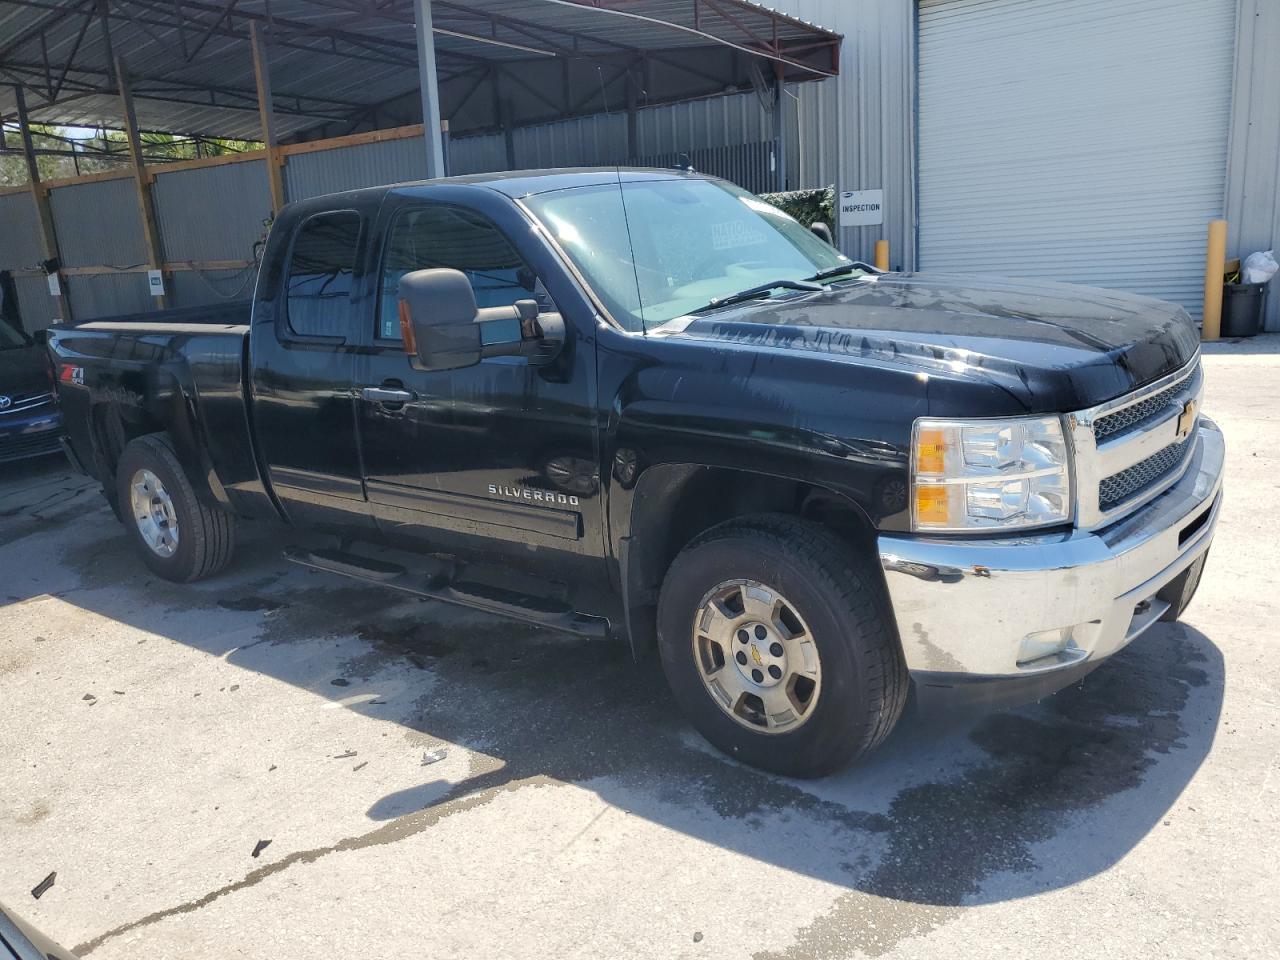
[153, 512]
[756, 656]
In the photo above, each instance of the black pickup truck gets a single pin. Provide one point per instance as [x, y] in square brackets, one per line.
[649, 405]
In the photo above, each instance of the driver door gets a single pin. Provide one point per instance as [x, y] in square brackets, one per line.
[496, 460]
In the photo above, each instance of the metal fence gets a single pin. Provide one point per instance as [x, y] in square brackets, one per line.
[749, 165]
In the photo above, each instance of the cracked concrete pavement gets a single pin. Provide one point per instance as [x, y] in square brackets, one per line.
[151, 735]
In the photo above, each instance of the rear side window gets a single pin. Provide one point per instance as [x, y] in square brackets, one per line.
[444, 236]
[320, 274]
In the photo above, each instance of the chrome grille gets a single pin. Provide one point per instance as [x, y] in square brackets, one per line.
[1142, 476]
[26, 402]
[1127, 450]
[1144, 410]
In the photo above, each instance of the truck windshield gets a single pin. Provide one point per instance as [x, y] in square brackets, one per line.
[655, 250]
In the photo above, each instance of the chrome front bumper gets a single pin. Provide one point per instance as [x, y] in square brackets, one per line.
[1044, 609]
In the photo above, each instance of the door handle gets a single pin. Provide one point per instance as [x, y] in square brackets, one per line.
[386, 395]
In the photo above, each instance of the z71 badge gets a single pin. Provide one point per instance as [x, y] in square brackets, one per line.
[537, 496]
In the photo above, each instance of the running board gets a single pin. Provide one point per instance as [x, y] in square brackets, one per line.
[437, 580]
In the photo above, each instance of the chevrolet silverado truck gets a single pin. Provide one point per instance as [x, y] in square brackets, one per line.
[648, 405]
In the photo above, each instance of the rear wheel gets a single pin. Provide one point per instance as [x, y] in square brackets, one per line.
[776, 640]
[178, 536]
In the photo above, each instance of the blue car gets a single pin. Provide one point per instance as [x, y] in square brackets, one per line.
[30, 421]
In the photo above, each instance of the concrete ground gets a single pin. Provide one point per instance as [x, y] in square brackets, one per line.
[152, 736]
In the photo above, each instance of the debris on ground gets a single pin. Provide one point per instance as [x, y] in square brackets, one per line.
[697, 936]
[360, 766]
[259, 847]
[341, 682]
[343, 756]
[89, 697]
[234, 687]
[118, 693]
[434, 756]
[270, 768]
[43, 886]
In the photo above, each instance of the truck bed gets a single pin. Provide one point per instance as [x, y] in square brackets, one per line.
[231, 313]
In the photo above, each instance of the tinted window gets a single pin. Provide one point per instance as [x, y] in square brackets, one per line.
[441, 236]
[320, 271]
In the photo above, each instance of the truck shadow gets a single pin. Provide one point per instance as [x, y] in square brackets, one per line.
[1004, 806]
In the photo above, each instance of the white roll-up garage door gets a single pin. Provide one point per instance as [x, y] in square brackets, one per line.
[1082, 140]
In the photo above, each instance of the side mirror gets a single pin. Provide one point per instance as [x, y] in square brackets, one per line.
[444, 330]
[822, 231]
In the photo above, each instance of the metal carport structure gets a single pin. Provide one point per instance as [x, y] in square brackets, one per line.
[312, 78]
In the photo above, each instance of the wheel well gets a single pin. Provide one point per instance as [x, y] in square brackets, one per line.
[112, 432]
[673, 505]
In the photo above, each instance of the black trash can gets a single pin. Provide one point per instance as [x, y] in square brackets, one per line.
[1242, 308]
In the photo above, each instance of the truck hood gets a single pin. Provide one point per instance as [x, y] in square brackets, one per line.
[23, 370]
[1053, 346]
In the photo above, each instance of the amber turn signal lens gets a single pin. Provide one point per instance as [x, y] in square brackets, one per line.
[931, 450]
[932, 503]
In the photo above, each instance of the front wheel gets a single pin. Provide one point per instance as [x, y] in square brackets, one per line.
[178, 536]
[775, 638]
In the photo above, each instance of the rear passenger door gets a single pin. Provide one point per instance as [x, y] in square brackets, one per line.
[304, 340]
[498, 459]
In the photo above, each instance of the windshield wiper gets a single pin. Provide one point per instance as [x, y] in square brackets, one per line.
[849, 267]
[758, 291]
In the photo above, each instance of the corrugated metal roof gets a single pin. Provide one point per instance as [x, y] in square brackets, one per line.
[334, 62]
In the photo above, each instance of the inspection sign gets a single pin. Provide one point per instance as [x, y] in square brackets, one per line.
[860, 208]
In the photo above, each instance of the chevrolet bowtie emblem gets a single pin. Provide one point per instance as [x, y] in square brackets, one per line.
[1187, 419]
[755, 655]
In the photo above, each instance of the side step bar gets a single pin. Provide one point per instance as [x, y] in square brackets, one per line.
[437, 580]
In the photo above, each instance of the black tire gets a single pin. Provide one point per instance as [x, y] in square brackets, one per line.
[838, 594]
[206, 535]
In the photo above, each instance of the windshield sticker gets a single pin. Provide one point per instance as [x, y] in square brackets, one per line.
[731, 234]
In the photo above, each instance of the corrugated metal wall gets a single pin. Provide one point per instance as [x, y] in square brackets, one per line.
[480, 154]
[872, 114]
[581, 142]
[108, 294]
[196, 219]
[1253, 169]
[34, 302]
[197, 223]
[19, 232]
[670, 129]
[98, 223]
[349, 168]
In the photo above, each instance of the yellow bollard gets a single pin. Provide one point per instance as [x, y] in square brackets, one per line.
[882, 254]
[1214, 265]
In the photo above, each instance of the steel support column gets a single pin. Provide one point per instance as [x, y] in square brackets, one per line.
[429, 90]
[44, 215]
[780, 127]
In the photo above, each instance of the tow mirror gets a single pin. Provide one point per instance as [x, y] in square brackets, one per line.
[443, 329]
[822, 231]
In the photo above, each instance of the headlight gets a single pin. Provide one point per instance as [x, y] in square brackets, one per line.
[971, 475]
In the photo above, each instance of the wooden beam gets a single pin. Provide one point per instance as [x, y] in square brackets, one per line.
[354, 140]
[146, 209]
[44, 214]
[262, 73]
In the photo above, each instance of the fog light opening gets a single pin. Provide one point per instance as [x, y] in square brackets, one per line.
[1047, 647]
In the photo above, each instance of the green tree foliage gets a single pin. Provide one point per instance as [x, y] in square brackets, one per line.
[105, 150]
